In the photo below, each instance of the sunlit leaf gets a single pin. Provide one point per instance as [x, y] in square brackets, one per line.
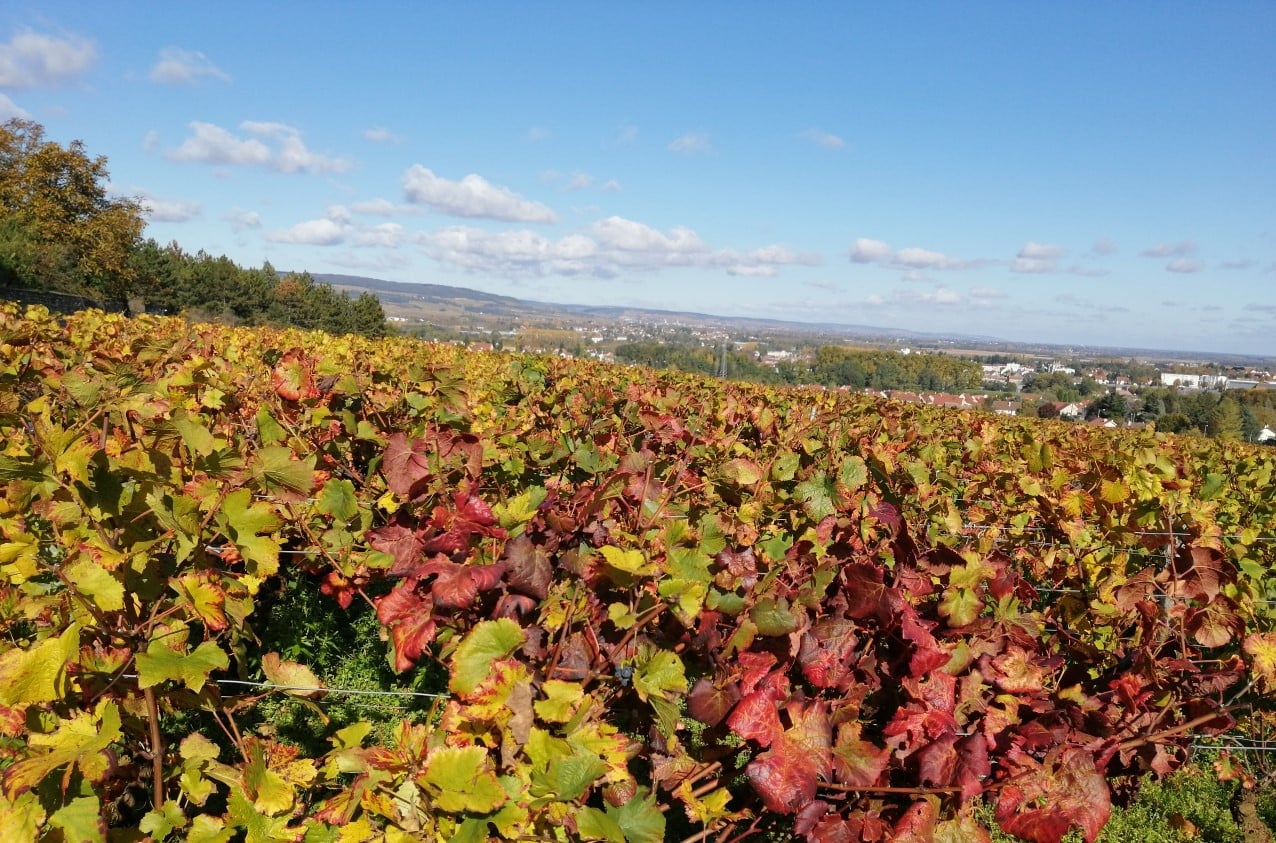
[38, 674]
[486, 642]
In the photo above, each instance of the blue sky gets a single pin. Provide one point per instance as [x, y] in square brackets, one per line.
[1078, 173]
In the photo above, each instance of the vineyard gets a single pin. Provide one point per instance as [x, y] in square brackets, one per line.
[616, 604]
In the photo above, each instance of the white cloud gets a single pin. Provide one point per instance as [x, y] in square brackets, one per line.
[176, 66]
[915, 258]
[383, 208]
[157, 209]
[690, 142]
[292, 156]
[510, 253]
[987, 293]
[604, 249]
[866, 250]
[753, 271]
[536, 134]
[941, 296]
[1184, 265]
[1032, 265]
[822, 138]
[243, 220]
[380, 134]
[1166, 250]
[627, 136]
[611, 186]
[387, 234]
[629, 236]
[1103, 246]
[1036, 258]
[1085, 271]
[1040, 251]
[472, 196]
[31, 60]
[212, 144]
[10, 109]
[574, 182]
[324, 232]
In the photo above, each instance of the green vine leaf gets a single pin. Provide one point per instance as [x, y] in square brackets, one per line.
[487, 642]
[461, 781]
[160, 663]
[81, 821]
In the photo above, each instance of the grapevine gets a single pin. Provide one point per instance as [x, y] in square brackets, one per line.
[666, 605]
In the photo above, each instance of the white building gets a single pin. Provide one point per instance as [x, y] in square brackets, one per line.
[1193, 381]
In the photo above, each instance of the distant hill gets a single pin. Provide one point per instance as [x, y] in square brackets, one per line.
[457, 301]
[476, 302]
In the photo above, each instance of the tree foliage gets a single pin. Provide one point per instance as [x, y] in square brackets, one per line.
[61, 228]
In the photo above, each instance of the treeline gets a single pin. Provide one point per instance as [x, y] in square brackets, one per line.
[1233, 414]
[833, 365]
[62, 231]
[218, 288]
[830, 366]
[702, 360]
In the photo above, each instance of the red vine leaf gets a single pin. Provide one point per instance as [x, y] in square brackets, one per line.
[1040, 802]
[755, 718]
[528, 569]
[857, 763]
[405, 465]
[917, 825]
[294, 376]
[410, 619]
[400, 541]
[787, 775]
[709, 701]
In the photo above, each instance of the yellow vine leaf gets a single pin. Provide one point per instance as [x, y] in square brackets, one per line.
[39, 674]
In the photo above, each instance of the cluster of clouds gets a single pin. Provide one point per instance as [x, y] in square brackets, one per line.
[276, 146]
[604, 249]
[473, 197]
[1033, 258]
[869, 251]
[161, 209]
[31, 60]
[1180, 255]
[176, 66]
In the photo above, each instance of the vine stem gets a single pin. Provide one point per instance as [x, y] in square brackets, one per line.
[844, 788]
[701, 835]
[1135, 743]
[157, 749]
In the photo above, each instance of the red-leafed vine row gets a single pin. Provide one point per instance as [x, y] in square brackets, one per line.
[663, 603]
